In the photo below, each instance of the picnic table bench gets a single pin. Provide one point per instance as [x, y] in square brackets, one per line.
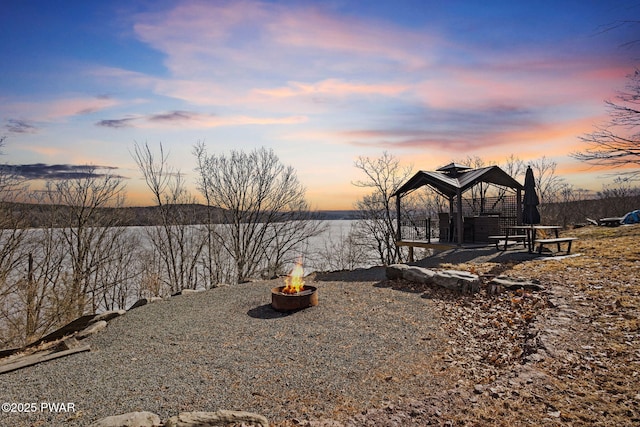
[509, 240]
[557, 240]
[526, 234]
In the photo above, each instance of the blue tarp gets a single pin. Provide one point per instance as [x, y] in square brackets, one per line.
[632, 217]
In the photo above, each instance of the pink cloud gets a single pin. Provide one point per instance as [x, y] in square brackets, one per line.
[187, 119]
[195, 35]
[205, 39]
[214, 23]
[558, 137]
[60, 108]
[333, 87]
[525, 85]
[316, 29]
[127, 77]
[198, 92]
[247, 120]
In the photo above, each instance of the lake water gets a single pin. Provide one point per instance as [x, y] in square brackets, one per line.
[331, 250]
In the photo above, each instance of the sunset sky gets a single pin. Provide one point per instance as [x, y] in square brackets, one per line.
[320, 82]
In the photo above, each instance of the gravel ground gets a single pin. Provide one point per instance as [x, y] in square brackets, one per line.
[227, 349]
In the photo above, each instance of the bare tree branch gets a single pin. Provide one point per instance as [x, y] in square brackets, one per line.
[263, 206]
[377, 226]
[617, 143]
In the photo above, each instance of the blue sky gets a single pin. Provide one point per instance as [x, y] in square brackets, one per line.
[319, 82]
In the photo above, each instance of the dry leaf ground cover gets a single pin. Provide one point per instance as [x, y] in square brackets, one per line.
[568, 355]
[590, 333]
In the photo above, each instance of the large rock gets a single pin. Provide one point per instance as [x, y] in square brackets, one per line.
[91, 329]
[396, 271]
[419, 275]
[187, 292]
[67, 344]
[107, 315]
[218, 418]
[517, 283]
[461, 281]
[144, 301]
[131, 419]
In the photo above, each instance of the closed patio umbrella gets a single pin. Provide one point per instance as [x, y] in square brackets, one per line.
[530, 214]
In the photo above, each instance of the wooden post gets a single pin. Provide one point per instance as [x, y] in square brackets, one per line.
[519, 206]
[398, 228]
[31, 301]
[459, 217]
[451, 220]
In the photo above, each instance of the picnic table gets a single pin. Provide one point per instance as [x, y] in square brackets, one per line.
[527, 235]
[610, 222]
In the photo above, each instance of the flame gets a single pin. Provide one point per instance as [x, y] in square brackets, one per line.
[294, 282]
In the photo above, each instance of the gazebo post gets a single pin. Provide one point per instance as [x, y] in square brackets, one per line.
[451, 219]
[451, 208]
[459, 217]
[519, 205]
[398, 228]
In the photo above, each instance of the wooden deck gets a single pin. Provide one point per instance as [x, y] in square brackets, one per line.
[439, 246]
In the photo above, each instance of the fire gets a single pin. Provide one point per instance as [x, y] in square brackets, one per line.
[294, 282]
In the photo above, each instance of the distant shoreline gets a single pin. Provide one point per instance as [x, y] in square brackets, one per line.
[33, 215]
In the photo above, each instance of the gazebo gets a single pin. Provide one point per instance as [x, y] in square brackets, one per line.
[453, 181]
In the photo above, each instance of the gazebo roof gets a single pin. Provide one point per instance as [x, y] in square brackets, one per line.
[452, 169]
[454, 178]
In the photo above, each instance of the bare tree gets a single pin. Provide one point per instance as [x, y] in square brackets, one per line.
[567, 209]
[177, 244]
[618, 199]
[477, 193]
[262, 208]
[88, 233]
[288, 237]
[217, 263]
[58, 273]
[514, 166]
[12, 230]
[114, 279]
[74, 262]
[42, 292]
[384, 176]
[616, 144]
[548, 184]
[16, 324]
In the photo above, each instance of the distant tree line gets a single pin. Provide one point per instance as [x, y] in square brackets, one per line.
[34, 216]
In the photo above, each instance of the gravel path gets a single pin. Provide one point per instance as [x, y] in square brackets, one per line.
[227, 349]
